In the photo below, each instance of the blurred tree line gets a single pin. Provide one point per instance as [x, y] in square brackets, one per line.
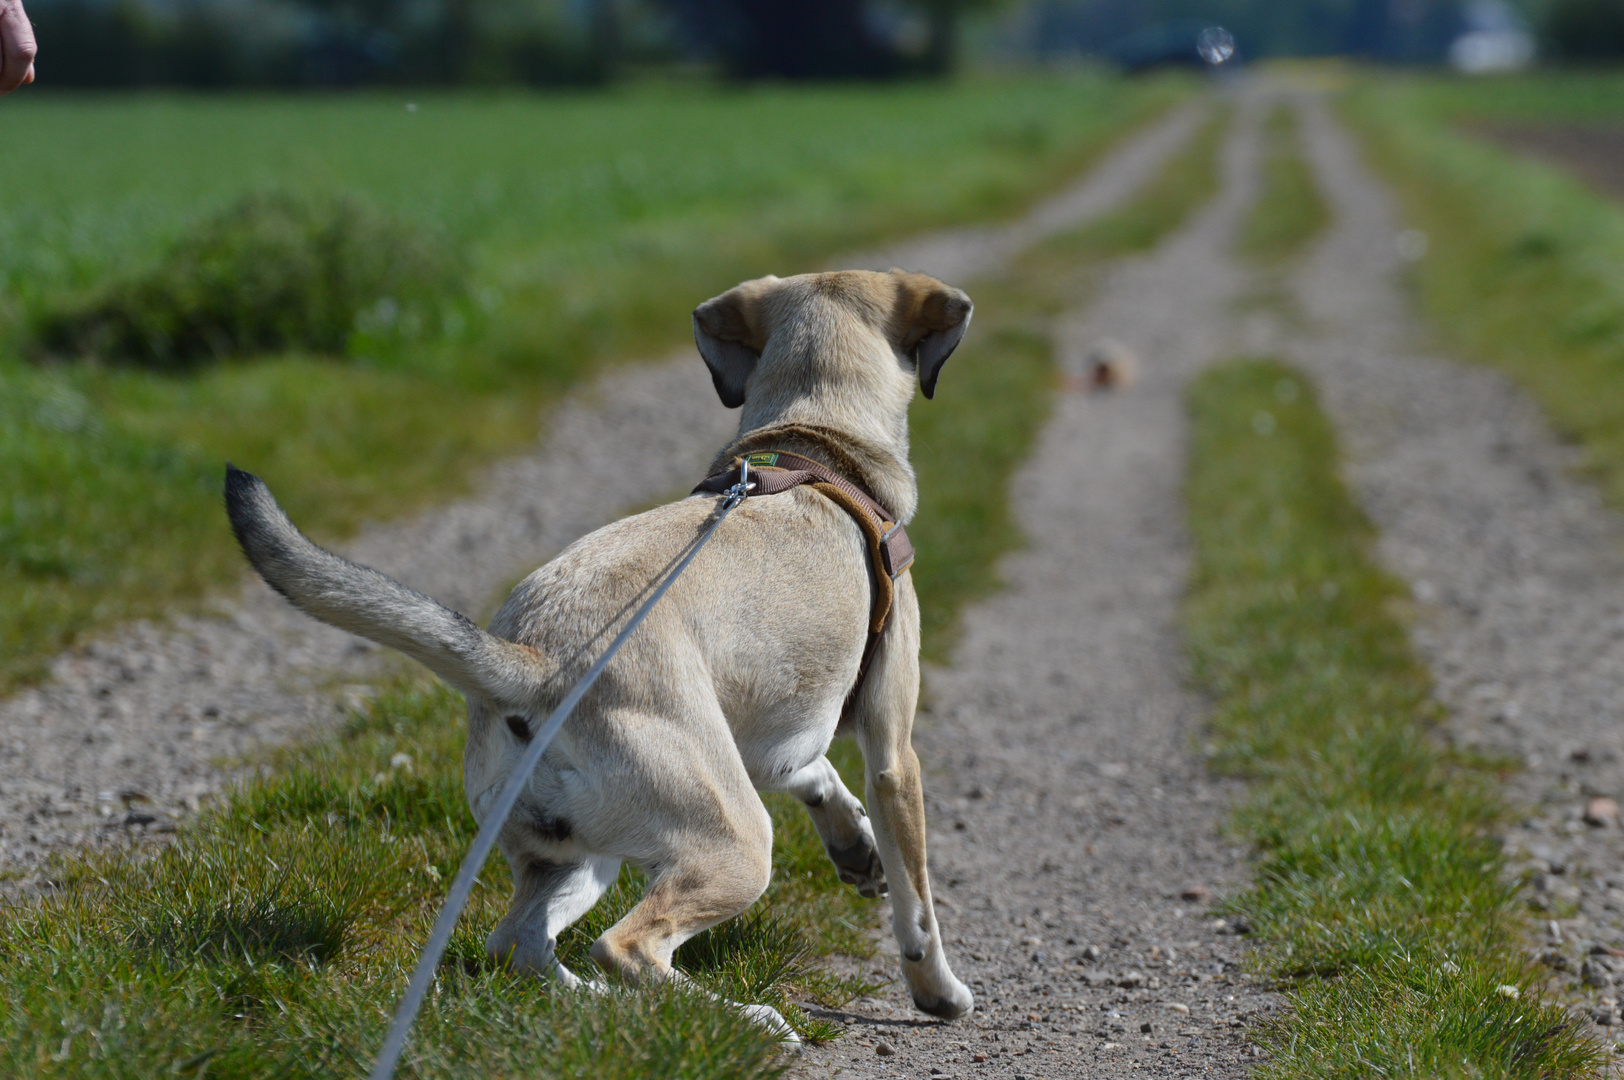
[284, 43]
[1403, 31]
[1585, 31]
[1388, 30]
[288, 43]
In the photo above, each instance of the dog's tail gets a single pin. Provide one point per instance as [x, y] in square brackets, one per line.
[368, 603]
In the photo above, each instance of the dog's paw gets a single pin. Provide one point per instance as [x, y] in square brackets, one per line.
[950, 1002]
[859, 865]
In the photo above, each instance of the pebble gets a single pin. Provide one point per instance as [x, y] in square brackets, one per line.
[1196, 893]
[884, 1049]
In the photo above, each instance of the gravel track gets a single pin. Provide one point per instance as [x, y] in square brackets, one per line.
[130, 731]
[1515, 564]
[1070, 807]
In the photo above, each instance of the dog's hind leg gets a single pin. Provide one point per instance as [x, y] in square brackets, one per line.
[705, 888]
[547, 897]
[709, 868]
[842, 824]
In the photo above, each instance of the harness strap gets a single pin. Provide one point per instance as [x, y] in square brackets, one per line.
[890, 552]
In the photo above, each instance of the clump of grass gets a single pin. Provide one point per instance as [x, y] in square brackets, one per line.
[274, 271]
[1525, 266]
[995, 394]
[1289, 212]
[1379, 903]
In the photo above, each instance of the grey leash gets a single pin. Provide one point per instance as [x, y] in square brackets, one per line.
[395, 1042]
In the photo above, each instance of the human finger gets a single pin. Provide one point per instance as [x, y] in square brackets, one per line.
[17, 47]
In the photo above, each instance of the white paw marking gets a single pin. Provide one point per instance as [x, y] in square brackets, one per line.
[771, 1019]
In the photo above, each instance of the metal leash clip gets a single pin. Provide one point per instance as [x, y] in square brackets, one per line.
[740, 491]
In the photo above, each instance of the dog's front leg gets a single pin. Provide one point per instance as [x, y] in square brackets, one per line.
[896, 801]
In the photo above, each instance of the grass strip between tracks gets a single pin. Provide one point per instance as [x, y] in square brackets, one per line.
[1380, 903]
[1524, 265]
[1290, 211]
[271, 937]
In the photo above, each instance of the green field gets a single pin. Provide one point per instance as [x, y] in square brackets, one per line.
[592, 225]
[1546, 97]
[1525, 266]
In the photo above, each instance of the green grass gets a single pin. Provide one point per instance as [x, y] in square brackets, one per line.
[994, 395]
[1548, 96]
[593, 224]
[1289, 212]
[1380, 902]
[1525, 267]
[272, 937]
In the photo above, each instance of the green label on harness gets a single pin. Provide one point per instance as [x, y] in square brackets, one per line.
[765, 459]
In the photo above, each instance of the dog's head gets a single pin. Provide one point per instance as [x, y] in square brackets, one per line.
[852, 331]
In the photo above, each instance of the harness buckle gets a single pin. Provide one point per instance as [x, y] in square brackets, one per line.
[740, 491]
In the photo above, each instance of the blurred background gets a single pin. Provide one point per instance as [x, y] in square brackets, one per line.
[328, 43]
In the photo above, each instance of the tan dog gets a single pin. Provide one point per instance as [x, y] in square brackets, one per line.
[736, 682]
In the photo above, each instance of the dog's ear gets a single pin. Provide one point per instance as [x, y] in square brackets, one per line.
[935, 317]
[730, 341]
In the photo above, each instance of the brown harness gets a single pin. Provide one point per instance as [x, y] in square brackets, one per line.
[772, 472]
